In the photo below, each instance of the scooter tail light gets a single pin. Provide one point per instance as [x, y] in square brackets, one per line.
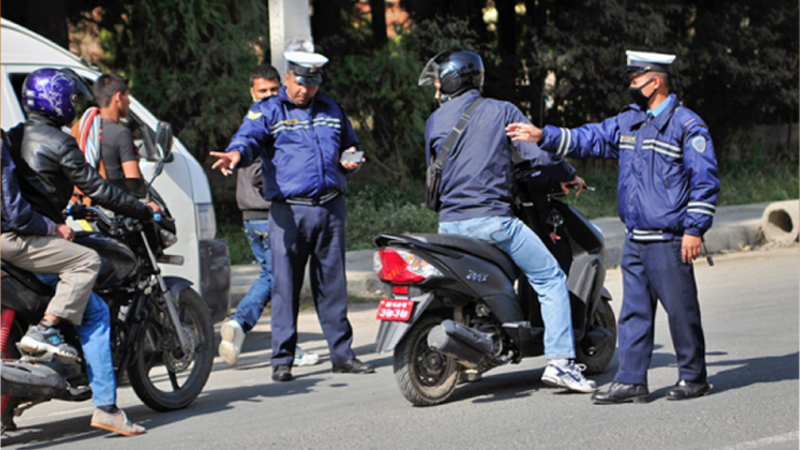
[402, 267]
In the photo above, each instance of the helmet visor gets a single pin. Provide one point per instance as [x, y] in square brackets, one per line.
[429, 73]
[83, 90]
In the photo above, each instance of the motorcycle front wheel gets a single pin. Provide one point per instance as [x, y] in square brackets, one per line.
[164, 376]
[426, 377]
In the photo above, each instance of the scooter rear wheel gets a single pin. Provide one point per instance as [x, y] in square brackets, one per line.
[425, 376]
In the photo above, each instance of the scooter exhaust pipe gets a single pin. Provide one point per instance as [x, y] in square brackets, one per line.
[469, 346]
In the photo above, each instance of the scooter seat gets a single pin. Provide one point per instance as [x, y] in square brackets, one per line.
[473, 247]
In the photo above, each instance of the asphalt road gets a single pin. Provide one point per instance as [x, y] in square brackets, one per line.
[750, 312]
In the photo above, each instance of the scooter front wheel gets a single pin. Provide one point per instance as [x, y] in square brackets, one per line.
[597, 358]
[426, 377]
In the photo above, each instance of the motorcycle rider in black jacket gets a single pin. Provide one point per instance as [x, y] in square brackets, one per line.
[49, 164]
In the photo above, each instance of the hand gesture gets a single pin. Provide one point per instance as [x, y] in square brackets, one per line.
[226, 161]
[577, 183]
[526, 132]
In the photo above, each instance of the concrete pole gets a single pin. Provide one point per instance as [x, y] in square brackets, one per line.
[288, 19]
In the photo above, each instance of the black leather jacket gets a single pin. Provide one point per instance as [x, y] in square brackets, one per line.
[49, 163]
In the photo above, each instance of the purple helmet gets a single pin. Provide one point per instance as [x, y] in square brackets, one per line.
[53, 93]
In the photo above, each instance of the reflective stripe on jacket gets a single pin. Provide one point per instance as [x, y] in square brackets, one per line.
[300, 147]
[668, 177]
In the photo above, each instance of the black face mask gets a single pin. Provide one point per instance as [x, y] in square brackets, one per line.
[637, 96]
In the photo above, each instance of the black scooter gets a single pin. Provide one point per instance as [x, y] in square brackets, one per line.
[459, 306]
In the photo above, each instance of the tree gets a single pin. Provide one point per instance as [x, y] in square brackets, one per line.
[45, 17]
[377, 9]
[744, 64]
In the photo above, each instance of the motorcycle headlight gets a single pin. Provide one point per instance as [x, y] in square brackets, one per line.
[168, 239]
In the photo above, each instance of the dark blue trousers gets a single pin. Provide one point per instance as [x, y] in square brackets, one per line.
[296, 234]
[654, 271]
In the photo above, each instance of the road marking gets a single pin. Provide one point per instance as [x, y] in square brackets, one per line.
[788, 437]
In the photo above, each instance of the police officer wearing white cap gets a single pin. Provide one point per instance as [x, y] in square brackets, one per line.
[667, 194]
[307, 146]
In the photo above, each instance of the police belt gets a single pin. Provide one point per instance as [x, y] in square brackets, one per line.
[313, 201]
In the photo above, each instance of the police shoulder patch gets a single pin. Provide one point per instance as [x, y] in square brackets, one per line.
[252, 115]
[699, 144]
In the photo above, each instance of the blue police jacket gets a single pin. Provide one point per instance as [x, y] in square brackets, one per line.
[477, 176]
[17, 214]
[300, 147]
[668, 177]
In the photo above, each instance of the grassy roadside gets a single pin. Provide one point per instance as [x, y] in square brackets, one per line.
[375, 209]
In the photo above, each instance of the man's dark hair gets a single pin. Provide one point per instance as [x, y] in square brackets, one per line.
[106, 86]
[265, 71]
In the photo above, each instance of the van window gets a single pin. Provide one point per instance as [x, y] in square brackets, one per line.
[137, 127]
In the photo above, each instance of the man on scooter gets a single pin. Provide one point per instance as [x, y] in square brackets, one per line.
[476, 193]
[49, 163]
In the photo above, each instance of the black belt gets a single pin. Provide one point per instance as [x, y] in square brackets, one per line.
[313, 201]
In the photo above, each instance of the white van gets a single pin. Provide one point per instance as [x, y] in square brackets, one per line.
[183, 184]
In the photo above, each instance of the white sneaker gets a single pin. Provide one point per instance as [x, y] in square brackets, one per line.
[230, 346]
[302, 358]
[569, 377]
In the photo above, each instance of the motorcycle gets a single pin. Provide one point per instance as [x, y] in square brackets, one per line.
[459, 306]
[161, 330]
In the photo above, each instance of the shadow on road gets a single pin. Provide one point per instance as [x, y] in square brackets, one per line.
[77, 429]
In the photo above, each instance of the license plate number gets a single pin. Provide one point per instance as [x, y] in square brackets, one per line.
[395, 310]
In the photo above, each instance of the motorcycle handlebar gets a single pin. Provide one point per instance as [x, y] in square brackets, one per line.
[82, 212]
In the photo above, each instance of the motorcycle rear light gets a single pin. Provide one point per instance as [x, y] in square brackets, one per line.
[400, 290]
[402, 267]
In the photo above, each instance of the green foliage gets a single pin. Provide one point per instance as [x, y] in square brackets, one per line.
[755, 178]
[189, 61]
[378, 89]
[374, 210]
[232, 231]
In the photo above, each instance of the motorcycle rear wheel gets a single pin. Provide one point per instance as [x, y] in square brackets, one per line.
[163, 377]
[425, 376]
[598, 358]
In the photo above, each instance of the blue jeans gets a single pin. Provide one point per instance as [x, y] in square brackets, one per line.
[94, 333]
[512, 236]
[252, 305]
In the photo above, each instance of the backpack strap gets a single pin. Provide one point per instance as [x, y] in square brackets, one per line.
[456, 132]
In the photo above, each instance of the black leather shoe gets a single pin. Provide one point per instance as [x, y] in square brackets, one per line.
[282, 373]
[685, 390]
[622, 393]
[353, 366]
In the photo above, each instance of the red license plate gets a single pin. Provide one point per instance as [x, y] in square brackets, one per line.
[395, 310]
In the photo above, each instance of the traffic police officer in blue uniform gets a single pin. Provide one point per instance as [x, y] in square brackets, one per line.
[302, 136]
[667, 194]
[477, 190]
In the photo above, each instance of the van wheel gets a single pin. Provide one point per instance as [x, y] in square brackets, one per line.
[426, 377]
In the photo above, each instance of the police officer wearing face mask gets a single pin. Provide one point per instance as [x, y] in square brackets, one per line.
[667, 193]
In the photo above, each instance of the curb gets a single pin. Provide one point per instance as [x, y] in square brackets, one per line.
[735, 227]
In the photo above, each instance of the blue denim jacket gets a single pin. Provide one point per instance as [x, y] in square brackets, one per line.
[300, 147]
[668, 177]
[17, 214]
